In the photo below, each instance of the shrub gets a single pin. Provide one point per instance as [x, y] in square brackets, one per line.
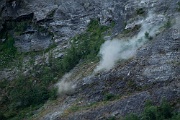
[20, 27]
[150, 113]
[162, 112]
[53, 94]
[176, 116]
[2, 117]
[7, 51]
[131, 117]
[109, 96]
[168, 24]
[147, 36]
[165, 110]
[178, 6]
[112, 118]
[27, 92]
[140, 11]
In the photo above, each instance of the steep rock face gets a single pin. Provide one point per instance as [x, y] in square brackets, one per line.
[72, 17]
[67, 18]
[152, 74]
[137, 81]
[33, 42]
[55, 22]
[64, 19]
[2, 4]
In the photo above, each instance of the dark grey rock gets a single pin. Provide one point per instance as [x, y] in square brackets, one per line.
[132, 104]
[33, 42]
[152, 75]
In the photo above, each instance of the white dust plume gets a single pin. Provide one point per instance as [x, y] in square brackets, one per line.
[118, 49]
[64, 86]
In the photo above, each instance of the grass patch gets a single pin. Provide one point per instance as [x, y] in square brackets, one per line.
[76, 108]
[107, 99]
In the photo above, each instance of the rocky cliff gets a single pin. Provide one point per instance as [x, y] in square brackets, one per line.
[42, 40]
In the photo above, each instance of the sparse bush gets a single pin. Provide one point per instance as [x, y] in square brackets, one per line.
[168, 24]
[147, 36]
[53, 94]
[109, 96]
[131, 117]
[20, 27]
[178, 6]
[7, 51]
[74, 108]
[140, 11]
[112, 118]
[17, 26]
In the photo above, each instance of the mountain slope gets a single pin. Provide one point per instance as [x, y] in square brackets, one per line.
[54, 44]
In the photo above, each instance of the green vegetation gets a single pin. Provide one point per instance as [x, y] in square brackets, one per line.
[112, 118]
[74, 108]
[78, 107]
[140, 11]
[23, 94]
[2, 117]
[27, 93]
[21, 27]
[82, 47]
[7, 51]
[151, 112]
[109, 97]
[17, 26]
[178, 6]
[147, 36]
[168, 24]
